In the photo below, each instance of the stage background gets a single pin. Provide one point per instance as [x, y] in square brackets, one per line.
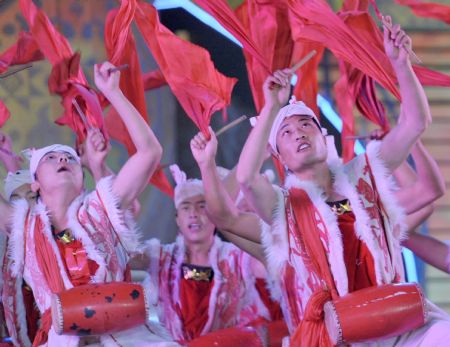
[34, 110]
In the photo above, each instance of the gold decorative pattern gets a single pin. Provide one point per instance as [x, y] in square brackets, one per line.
[191, 272]
[341, 207]
[65, 236]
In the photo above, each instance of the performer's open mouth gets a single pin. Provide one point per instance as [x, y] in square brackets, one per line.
[194, 226]
[63, 169]
[303, 146]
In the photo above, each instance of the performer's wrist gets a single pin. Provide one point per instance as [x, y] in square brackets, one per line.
[401, 67]
[207, 165]
[114, 95]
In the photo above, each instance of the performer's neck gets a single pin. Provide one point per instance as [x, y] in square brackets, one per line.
[57, 206]
[320, 174]
[198, 253]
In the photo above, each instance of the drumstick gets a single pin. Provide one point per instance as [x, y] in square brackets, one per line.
[303, 61]
[358, 137]
[297, 66]
[117, 68]
[81, 113]
[14, 71]
[219, 132]
[411, 53]
[231, 125]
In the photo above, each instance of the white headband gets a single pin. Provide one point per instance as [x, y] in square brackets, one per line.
[38, 154]
[185, 188]
[15, 180]
[294, 108]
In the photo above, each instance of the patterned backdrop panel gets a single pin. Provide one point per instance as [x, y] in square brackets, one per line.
[26, 94]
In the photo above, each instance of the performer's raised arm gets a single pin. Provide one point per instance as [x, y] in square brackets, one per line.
[136, 172]
[257, 190]
[220, 208]
[11, 164]
[415, 112]
[429, 183]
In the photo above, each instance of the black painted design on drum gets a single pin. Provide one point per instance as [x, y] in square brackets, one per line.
[135, 294]
[88, 313]
[108, 299]
[84, 332]
[74, 326]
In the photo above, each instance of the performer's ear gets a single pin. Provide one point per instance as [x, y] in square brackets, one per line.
[270, 151]
[35, 186]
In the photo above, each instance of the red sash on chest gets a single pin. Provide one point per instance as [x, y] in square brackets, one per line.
[311, 330]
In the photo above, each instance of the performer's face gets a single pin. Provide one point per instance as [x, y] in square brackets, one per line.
[300, 143]
[192, 220]
[24, 192]
[56, 169]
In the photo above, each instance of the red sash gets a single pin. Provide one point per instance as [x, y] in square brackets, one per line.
[312, 330]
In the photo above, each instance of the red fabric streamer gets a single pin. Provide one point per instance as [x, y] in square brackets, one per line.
[153, 79]
[355, 38]
[364, 89]
[345, 100]
[64, 81]
[198, 86]
[67, 78]
[121, 49]
[355, 87]
[4, 113]
[222, 12]
[24, 51]
[307, 86]
[428, 10]
[320, 24]
[427, 77]
[265, 24]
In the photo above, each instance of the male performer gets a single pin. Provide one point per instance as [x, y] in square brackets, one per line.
[71, 238]
[335, 229]
[199, 284]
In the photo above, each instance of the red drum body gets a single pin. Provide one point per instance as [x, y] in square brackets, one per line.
[376, 312]
[96, 309]
[235, 337]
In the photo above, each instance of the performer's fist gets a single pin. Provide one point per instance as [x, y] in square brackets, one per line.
[94, 150]
[204, 150]
[396, 42]
[277, 88]
[106, 78]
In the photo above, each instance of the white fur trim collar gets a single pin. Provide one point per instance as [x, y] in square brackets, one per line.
[121, 221]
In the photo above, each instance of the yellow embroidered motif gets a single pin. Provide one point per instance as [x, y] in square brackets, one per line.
[197, 274]
[65, 236]
[342, 208]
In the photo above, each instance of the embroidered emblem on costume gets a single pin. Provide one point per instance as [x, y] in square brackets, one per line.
[340, 207]
[65, 236]
[197, 273]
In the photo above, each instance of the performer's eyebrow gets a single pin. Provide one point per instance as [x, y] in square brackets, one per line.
[284, 126]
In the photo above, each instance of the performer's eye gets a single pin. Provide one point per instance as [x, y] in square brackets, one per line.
[32, 196]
